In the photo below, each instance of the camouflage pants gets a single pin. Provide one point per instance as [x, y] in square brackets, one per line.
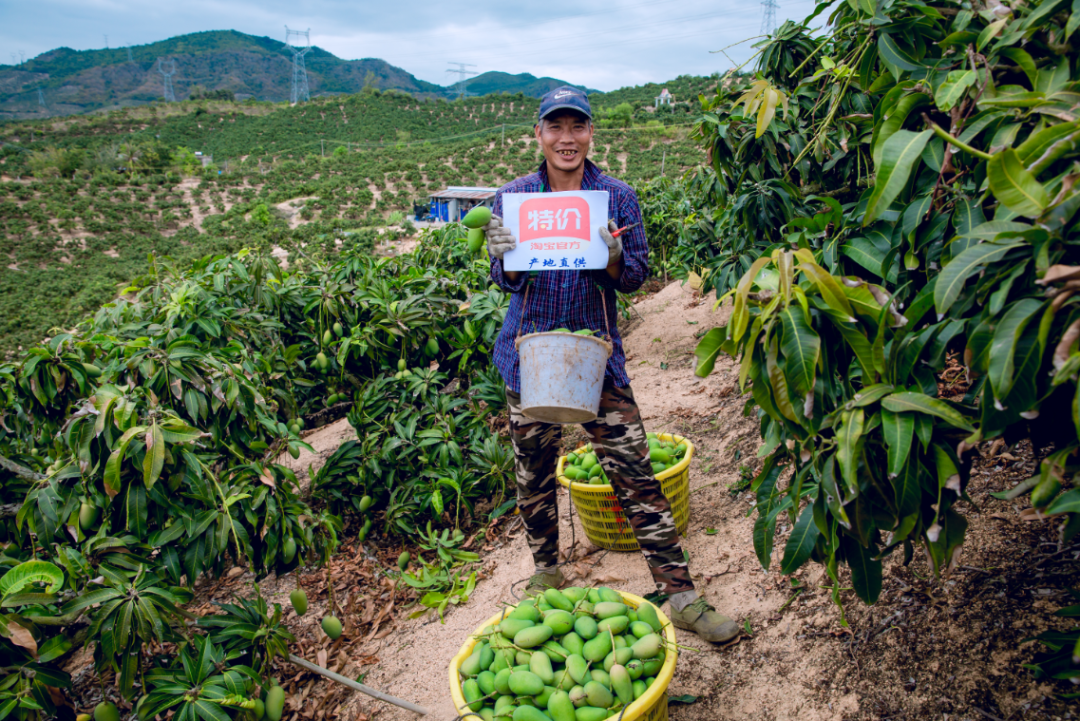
[618, 437]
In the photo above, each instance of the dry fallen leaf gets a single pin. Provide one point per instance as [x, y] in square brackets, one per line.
[22, 637]
[608, 578]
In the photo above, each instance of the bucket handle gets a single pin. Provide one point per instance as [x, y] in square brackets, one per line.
[525, 304]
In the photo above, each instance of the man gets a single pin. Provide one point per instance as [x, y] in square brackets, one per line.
[579, 299]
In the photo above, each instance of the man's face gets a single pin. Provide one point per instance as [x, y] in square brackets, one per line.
[564, 139]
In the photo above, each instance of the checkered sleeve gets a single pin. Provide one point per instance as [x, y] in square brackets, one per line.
[635, 247]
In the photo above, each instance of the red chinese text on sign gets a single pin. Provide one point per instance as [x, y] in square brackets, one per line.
[554, 218]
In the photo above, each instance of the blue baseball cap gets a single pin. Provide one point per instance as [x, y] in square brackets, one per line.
[565, 98]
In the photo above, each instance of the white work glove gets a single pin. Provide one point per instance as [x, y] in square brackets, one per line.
[614, 245]
[500, 240]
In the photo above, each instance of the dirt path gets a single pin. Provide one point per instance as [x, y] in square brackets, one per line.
[413, 662]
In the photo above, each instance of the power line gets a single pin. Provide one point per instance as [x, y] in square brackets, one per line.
[166, 75]
[300, 92]
[768, 16]
[462, 76]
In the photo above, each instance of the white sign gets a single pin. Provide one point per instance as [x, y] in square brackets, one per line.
[556, 231]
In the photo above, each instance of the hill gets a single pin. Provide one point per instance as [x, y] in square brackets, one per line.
[494, 82]
[80, 81]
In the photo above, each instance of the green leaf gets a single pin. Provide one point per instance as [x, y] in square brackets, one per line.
[865, 570]
[687, 698]
[920, 403]
[155, 456]
[894, 57]
[1043, 148]
[952, 90]
[801, 346]
[708, 348]
[830, 290]
[899, 155]
[897, 116]
[1065, 503]
[1003, 346]
[899, 429]
[848, 438]
[907, 485]
[801, 542]
[30, 572]
[1015, 186]
[953, 276]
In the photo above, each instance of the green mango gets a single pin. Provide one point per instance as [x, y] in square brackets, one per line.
[647, 647]
[608, 609]
[540, 664]
[478, 217]
[615, 624]
[622, 684]
[509, 627]
[586, 628]
[596, 649]
[647, 613]
[560, 707]
[598, 695]
[486, 680]
[474, 697]
[526, 611]
[275, 704]
[525, 683]
[573, 643]
[532, 636]
[557, 600]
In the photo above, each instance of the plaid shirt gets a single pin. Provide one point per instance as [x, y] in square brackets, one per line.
[571, 298]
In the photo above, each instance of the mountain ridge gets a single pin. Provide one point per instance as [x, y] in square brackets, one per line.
[80, 81]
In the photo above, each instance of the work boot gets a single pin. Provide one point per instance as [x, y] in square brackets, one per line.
[702, 619]
[540, 582]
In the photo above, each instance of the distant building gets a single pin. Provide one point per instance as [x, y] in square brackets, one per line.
[454, 202]
[204, 159]
[664, 98]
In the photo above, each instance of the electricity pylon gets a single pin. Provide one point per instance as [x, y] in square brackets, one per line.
[170, 96]
[41, 101]
[768, 16]
[462, 76]
[300, 91]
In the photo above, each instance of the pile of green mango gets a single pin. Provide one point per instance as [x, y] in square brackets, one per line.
[571, 655]
[583, 465]
[583, 331]
[664, 454]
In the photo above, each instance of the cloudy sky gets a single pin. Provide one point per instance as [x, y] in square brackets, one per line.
[601, 44]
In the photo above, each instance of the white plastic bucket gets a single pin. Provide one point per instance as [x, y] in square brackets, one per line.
[562, 376]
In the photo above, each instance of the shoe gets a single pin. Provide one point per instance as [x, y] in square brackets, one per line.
[540, 582]
[702, 619]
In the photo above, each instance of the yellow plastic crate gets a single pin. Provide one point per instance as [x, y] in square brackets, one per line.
[652, 706]
[602, 516]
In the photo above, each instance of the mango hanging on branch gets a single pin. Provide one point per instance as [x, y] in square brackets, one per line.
[475, 220]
